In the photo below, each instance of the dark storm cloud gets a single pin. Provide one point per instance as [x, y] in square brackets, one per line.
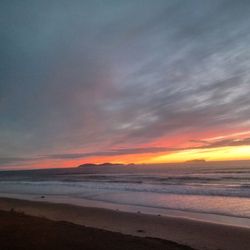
[99, 74]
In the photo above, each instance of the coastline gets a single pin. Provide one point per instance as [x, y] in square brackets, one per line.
[130, 208]
[193, 233]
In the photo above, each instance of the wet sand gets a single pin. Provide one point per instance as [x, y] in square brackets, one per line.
[196, 234]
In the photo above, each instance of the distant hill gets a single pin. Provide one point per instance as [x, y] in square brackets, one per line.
[197, 161]
[106, 164]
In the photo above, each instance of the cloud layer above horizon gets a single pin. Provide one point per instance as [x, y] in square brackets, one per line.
[91, 78]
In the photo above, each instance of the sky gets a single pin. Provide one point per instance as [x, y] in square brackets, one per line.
[123, 81]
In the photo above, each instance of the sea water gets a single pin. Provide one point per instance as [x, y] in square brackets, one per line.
[217, 193]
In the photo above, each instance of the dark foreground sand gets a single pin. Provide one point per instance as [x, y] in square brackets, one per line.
[196, 234]
[22, 232]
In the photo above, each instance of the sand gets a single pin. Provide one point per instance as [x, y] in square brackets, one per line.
[196, 234]
[23, 232]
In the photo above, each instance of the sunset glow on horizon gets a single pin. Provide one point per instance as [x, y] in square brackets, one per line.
[124, 81]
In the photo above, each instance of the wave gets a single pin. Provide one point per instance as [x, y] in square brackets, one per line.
[63, 187]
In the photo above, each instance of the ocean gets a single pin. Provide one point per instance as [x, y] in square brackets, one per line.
[217, 193]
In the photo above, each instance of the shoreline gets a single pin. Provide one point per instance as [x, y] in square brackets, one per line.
[227, 220]
[193, 233]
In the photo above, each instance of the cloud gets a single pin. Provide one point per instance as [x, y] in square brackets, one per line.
[120, 74]
[228, 143]
[14, 160]
[5, 161]
[115, 152]
[150, 150]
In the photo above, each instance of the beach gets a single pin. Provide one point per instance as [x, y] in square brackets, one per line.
[125, 125]
[192, 233]
[19, 231]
